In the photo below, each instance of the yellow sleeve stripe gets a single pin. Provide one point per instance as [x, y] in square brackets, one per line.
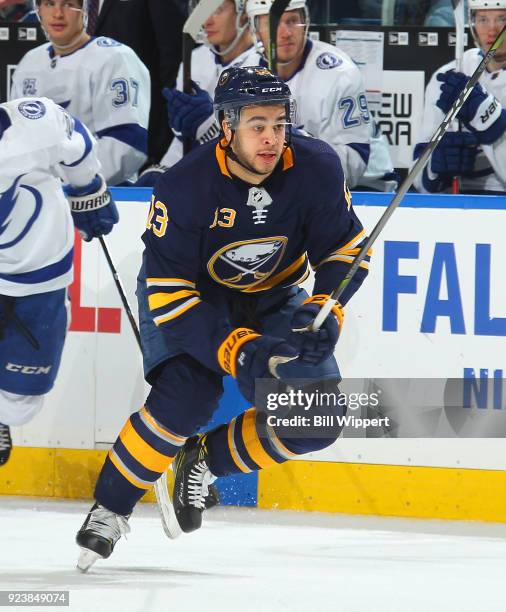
[140, 450]
[176, 312]
[169, 282]
[346, 259]
[158, 300]
[252, 442]
[354, 251]
[353, 242]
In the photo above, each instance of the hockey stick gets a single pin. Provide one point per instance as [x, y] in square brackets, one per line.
[459, 16]
[167, 515]
[278, 7]
[408, 181]
[191, 29]
[121, 291]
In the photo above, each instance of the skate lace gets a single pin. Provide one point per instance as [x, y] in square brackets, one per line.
[199, 479]
[107, 524]
[5, 438]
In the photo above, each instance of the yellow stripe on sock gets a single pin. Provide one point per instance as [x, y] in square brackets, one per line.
[126, 474]
[252, 442]
[140, 450]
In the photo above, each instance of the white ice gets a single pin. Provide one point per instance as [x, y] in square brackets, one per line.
[254, 560]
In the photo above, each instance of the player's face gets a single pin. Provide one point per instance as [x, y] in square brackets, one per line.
[488, 24]
[220, 27]
[291, 34]
[62, 20]
[260, 137]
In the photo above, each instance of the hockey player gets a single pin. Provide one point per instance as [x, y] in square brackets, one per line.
[227, 42]
[223, 259]
[40, 145]
[330, 95]
[477, 152]
[98, 80]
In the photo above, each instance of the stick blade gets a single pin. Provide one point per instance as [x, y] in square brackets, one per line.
[202, 12]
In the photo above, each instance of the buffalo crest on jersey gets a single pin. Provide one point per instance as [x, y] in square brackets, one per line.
[247, 264]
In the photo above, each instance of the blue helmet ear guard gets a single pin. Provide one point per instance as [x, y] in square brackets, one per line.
[249, 86]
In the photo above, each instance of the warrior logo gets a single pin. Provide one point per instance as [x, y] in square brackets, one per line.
[258, 198]
[16, 221]
[247, 264]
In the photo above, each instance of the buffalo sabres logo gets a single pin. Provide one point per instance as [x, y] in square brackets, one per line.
[16, 221]
[258, 198]
[223, 78]
[246, 264]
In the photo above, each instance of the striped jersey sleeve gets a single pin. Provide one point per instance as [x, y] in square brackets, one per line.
[334, 233]
[172, 262]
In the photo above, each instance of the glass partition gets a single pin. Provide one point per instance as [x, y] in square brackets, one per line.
[432, 13]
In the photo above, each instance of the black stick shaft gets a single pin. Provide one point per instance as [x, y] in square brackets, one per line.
[121, 291]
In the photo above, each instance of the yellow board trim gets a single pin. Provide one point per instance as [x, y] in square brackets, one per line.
[54, 472]
[385, 490]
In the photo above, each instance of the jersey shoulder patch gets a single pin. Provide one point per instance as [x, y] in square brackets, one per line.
[327, 61]
[103, 41]
[34, 109]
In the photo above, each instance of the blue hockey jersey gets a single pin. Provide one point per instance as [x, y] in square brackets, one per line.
[210, 233]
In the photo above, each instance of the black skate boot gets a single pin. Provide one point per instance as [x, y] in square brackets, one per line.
[192, 478]
[98, 535]
[5, 443]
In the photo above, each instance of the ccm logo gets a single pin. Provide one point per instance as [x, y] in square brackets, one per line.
[265, 89]
[14, 367]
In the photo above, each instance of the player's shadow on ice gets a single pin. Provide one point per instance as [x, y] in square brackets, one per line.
[106, 576]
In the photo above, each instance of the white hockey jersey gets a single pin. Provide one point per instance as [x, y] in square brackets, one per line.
[206, 69]
[106, 86]
[41, 145]
[332, 106]
[490, 166]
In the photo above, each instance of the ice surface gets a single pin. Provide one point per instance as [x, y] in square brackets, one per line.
[255, 560]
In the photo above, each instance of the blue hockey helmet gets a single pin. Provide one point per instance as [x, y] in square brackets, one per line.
[250, 86]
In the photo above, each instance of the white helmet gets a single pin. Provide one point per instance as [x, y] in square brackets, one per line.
[240, 10]
[262, 7]
[482, 5]
[255, 8]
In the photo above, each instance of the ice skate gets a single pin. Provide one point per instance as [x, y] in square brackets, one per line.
[99, 534]
[5, 443]
[192, 478]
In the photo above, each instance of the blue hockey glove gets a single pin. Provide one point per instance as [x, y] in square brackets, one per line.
[246, 354]
[187, 112]
[150, 175]
[481, 112]
[315, 346]
[93, 209]
[455, 155]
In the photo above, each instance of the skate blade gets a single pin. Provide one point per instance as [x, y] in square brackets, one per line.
[170, 523]
[86, 559]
